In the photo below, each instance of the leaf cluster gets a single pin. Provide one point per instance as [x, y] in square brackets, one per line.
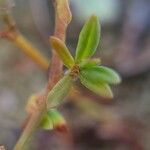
[92, 75]
[89, 71]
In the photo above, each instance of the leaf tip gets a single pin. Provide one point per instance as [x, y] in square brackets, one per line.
[107, 93]
[110, 95]
[119, 80]
[94, 18]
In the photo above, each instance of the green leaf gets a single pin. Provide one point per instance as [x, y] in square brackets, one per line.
[62, 51]
[52, 119]
[101, 74]
[46, 122]
[88, 63]
[56, 117]
[88, 39]
[59, 92]
[100, 88]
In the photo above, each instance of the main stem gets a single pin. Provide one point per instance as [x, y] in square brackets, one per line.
[62, 19]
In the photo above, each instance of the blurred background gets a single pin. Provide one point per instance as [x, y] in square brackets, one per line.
[119, 124]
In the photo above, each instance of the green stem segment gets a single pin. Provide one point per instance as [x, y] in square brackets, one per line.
[54, 98]
[30, 129]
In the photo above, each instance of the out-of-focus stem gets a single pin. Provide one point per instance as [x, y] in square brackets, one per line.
[11, 33]
[29, 130]
[30, 51]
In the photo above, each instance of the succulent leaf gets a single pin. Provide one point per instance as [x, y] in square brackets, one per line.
[59, 92]
[88, 39]
[101, 74]
[100, 88]
[62, 51]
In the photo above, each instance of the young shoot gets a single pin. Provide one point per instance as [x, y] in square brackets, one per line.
[92, 75]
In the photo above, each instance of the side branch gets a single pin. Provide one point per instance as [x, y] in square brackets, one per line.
[11, 33]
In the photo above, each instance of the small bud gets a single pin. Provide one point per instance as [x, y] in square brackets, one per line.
[33, 103]
[52, 119]
[46, 122]
[59, 123]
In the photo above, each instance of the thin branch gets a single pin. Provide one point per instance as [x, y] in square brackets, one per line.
[11, 33]
[32, 52]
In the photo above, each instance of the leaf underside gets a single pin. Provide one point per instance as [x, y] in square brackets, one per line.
[59, 92]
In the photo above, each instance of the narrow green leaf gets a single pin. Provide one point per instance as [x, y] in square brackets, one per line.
[100, 88]
[101, 74]
[88, 39]
[88, 63]
[46, 122]
[62, 51]
[59, 92]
